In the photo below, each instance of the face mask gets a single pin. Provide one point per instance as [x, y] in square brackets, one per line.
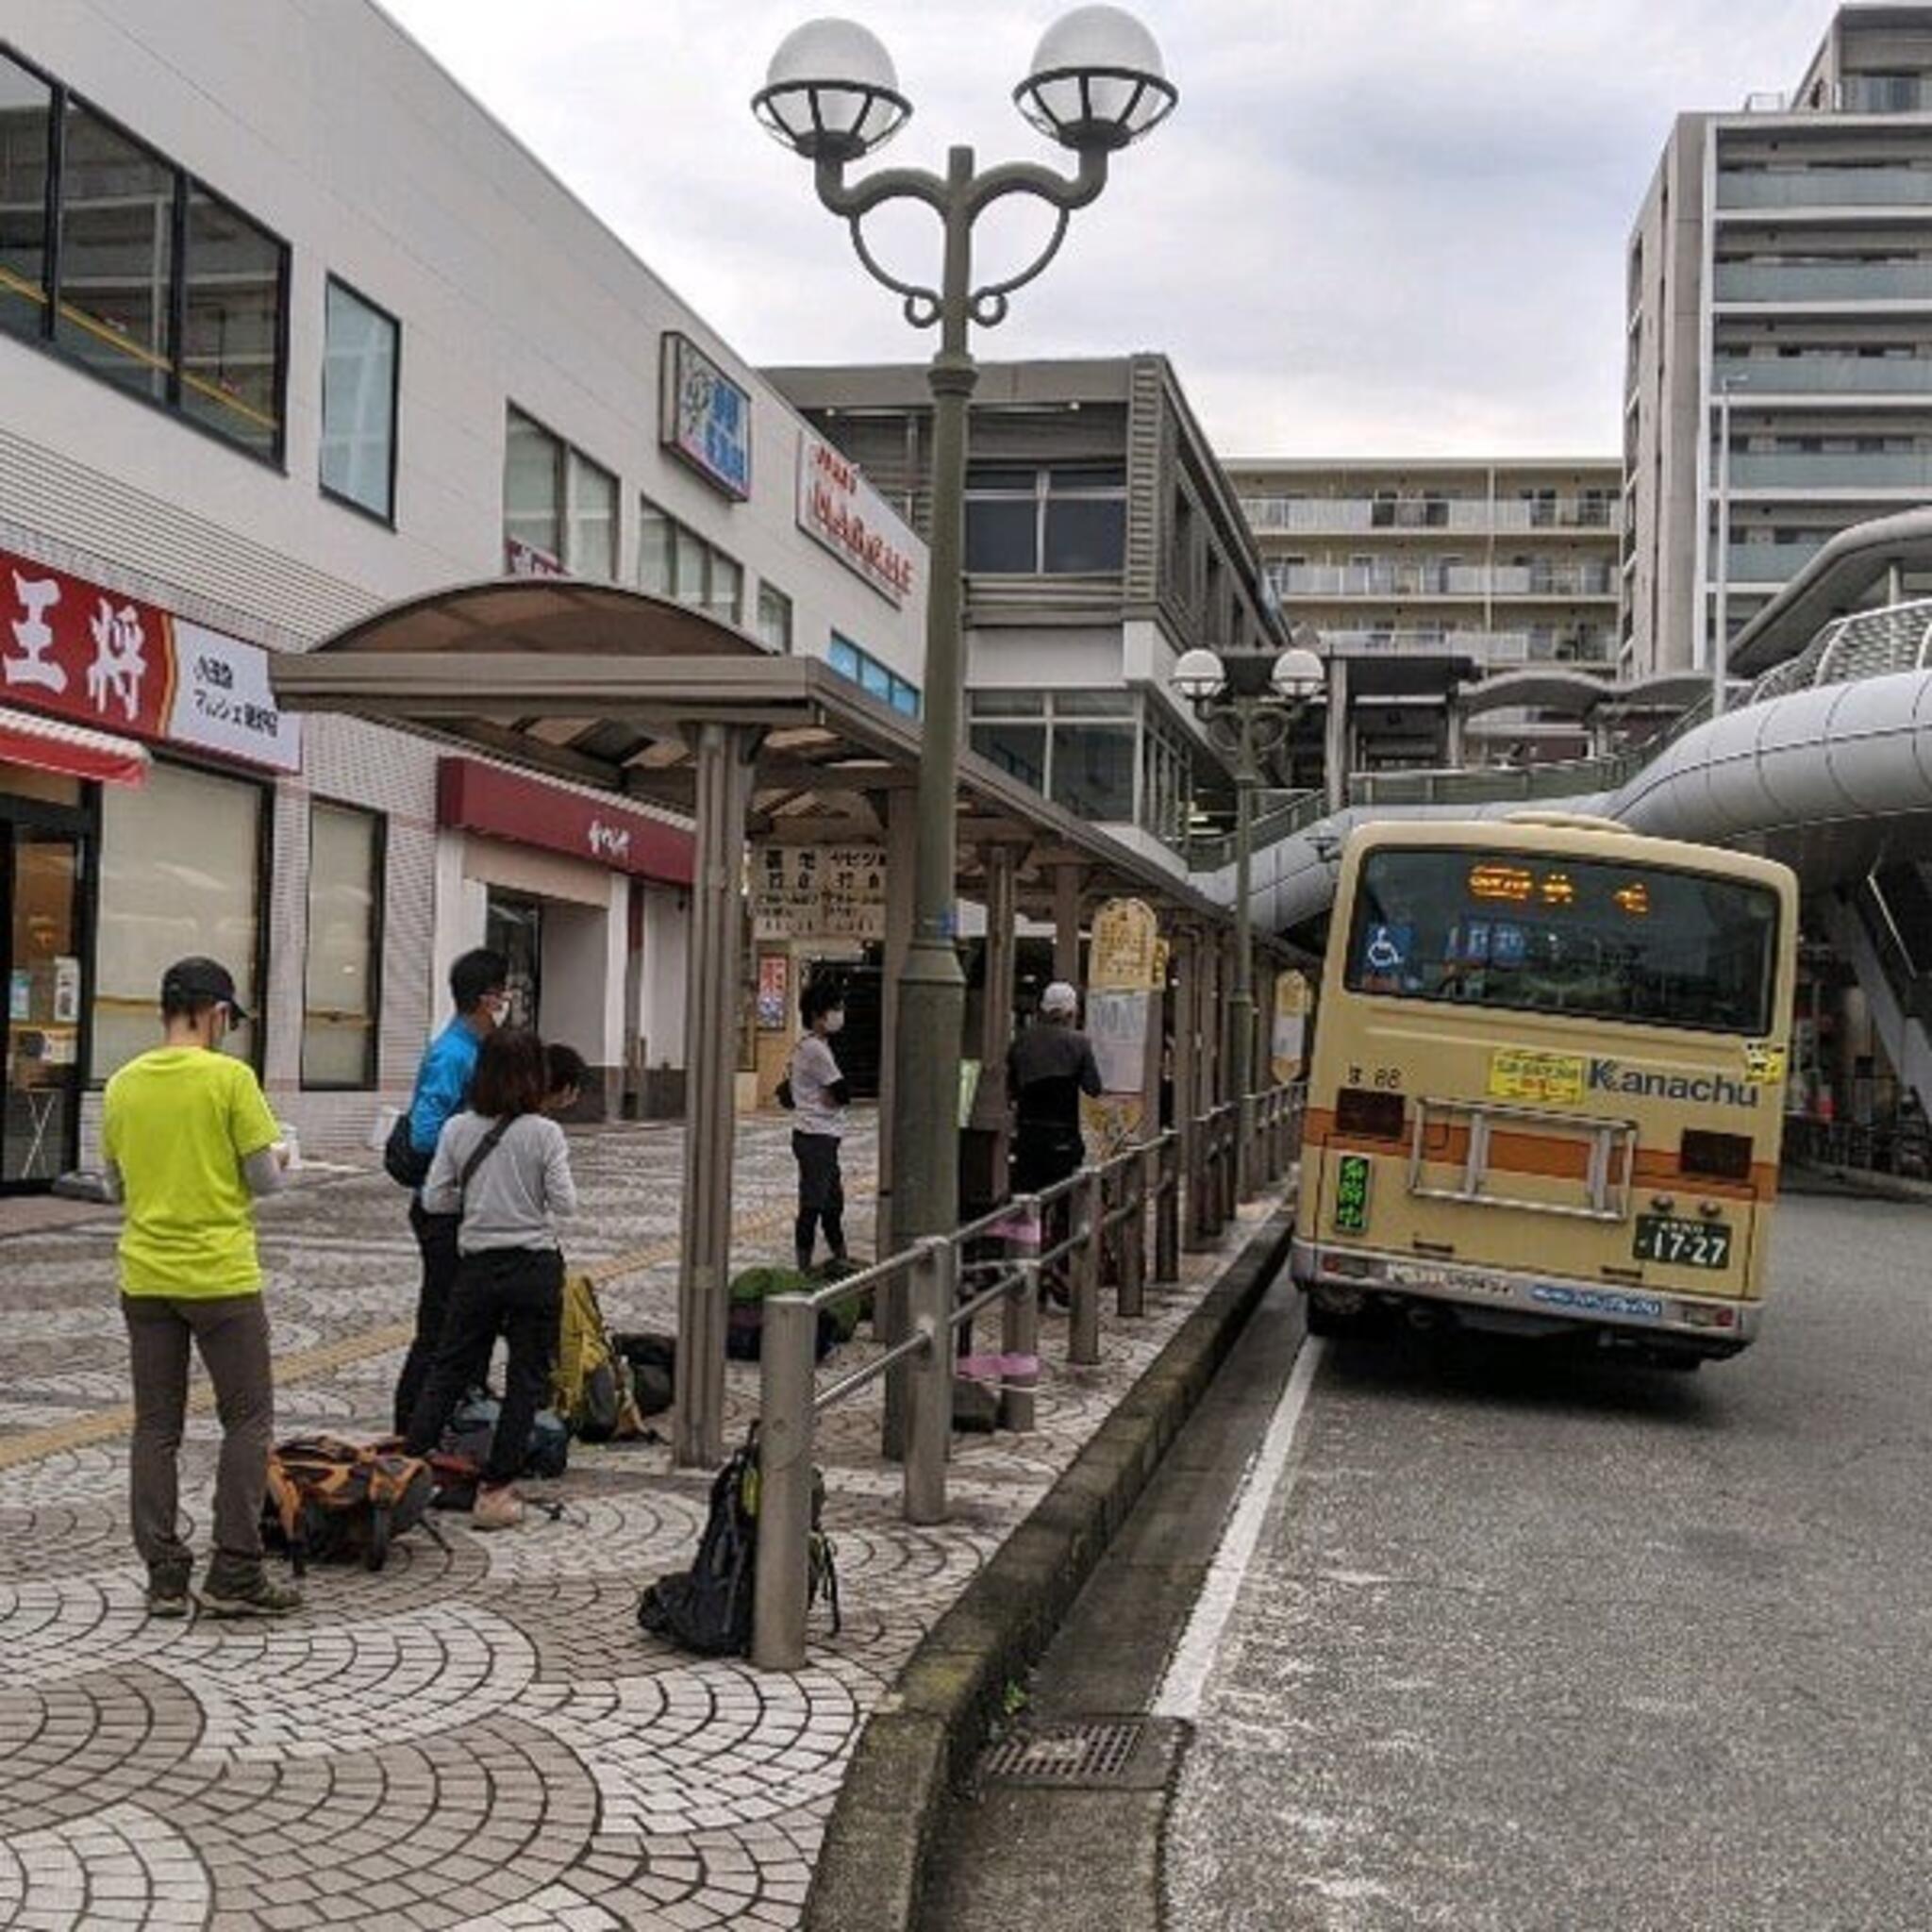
[498, 1010]
[834, 1021]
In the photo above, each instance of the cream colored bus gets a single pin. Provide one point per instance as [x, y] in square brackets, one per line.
[1547, 1085]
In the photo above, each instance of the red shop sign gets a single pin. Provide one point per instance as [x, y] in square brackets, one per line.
[112, 662]
[475, 797]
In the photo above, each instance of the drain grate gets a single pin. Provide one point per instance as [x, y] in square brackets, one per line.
[1073, 1754]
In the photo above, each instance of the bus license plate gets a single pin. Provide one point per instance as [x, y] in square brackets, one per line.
[1352, 1194]
[1683, 1243]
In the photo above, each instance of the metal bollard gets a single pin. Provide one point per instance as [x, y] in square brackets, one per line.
[1083, 1337]
[1167, 1212]
[1020, 1335]
[1131, 1297]
[929, 1387]
[780, 1595]
[1194, 1161]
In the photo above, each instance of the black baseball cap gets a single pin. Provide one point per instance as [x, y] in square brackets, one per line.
[188, 981]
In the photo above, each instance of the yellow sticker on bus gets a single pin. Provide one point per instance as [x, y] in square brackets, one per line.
[1765, 1063]
[1518, 1072]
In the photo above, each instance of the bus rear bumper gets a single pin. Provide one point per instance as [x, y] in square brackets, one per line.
[1355, 1278]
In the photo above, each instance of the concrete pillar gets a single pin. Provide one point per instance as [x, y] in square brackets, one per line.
[997, 1004]
[1335, 744]
[724, 758]
[1454, 752]
[1067, 880]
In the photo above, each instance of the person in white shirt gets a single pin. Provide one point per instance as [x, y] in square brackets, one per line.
[819, 1097]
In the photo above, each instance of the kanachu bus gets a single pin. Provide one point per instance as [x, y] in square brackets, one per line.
[1547, 1085]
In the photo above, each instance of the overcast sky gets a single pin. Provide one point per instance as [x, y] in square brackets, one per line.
[1373, 226]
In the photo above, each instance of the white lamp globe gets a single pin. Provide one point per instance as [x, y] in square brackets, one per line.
[1199, 676]
[1298, 675]
[831, 92]
[1097, 81]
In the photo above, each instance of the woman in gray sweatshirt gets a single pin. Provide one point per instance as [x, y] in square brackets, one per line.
[504, 1167]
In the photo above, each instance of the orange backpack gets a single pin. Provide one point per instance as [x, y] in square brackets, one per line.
[333, 1501]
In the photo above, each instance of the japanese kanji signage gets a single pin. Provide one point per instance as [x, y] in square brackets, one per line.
[852, 520]
[1122, 1010]
[71, 648]
[1288, 1051]
[819, 891]
[707, 417]
[472, 796]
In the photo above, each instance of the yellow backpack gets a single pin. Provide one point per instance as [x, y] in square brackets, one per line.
[591, 1385]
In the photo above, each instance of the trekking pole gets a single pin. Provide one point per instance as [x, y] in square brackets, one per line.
[781, 1583]
[929, 1426]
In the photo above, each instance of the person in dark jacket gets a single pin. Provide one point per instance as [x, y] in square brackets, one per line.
[1048, 1068]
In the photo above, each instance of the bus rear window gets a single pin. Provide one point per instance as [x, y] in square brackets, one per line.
[1537, 934]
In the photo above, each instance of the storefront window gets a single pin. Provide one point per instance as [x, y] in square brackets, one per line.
[180, 874]
[340, 998]
[25, 108]
[358, 402]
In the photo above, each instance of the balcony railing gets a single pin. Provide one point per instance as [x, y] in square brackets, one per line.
[1436, 580]
[1802, 470]
[1850, 376]
[1490, 647]
[1347, 515]
[1825, 188]
[1822, 281]
[1770, 564]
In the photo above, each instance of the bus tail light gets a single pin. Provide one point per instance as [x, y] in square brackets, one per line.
[1375, 1116]
[1722, 1156]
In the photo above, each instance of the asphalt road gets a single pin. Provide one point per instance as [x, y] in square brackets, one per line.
[1529, 1643]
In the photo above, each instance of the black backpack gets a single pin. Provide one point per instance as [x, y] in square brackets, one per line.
[708, 1608]
[401, 1160]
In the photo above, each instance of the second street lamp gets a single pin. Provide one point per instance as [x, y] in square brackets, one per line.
[1247, 725]
[832, 95]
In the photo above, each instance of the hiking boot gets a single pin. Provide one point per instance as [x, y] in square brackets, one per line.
[168, 1594]
[498, 1508]
[248, 1594]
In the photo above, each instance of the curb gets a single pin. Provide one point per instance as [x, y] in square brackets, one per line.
[871, 1870]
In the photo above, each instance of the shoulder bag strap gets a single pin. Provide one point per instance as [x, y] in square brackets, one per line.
[484, 1149]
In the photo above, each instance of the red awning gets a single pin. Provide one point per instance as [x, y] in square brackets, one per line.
[52, 745]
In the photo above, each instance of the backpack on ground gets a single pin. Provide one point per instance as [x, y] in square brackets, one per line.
[334, 1501]
[652, 1360]
[589, 1387]
[744, 1321]
[708, 1608]
[465, 1451]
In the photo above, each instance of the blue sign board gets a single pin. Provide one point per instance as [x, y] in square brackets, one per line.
[705, 417]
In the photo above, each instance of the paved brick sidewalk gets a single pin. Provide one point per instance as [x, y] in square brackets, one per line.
[479, 1737]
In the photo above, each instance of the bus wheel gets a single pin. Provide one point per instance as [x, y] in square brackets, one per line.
[1332, 1317]
[1683, 1361]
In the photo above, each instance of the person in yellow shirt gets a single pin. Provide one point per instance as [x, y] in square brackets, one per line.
[187, 1140]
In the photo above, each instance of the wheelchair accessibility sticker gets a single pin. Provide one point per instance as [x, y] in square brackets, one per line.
[1387, 948]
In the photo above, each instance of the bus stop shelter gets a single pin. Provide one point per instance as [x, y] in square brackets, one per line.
[613, 690]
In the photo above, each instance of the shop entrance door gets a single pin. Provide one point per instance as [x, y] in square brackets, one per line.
[513, 926]
[40, 878]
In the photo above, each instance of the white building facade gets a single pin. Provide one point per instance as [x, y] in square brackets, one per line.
[291, 330]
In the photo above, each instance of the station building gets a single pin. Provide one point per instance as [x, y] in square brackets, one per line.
[292, 331]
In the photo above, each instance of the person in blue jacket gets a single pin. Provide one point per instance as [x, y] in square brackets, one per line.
[479, 988]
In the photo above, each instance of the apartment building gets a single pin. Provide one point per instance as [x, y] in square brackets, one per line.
[1426, 577]
[1102, 540]
[1779, 328]
[251, 394]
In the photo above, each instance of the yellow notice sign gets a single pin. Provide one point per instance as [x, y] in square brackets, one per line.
[1517, 1073]
[1765, 1064]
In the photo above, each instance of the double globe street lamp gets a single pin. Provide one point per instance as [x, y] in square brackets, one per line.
[832, 95]
[1248, 726]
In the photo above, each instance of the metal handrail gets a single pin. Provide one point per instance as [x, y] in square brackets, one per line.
[1109, 1202]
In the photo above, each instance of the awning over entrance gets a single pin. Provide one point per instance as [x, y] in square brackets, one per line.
[52, 745]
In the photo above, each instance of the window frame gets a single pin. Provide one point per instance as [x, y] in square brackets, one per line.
[874, 676]
[386, 518]
[680, 536]
[378, 929]
[783, 601]
[1042, 495]
[47, 338]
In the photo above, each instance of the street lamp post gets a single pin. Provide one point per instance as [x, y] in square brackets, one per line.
[1247, 725]
[831, 95]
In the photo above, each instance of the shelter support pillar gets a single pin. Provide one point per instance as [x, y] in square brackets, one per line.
[990, 1103]
[1067, 881]
[1454, 751]
[724, 758]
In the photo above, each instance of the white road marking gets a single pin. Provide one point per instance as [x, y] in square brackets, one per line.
[1186, 1679]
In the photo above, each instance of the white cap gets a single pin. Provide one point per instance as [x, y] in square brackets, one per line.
[1058, 999]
